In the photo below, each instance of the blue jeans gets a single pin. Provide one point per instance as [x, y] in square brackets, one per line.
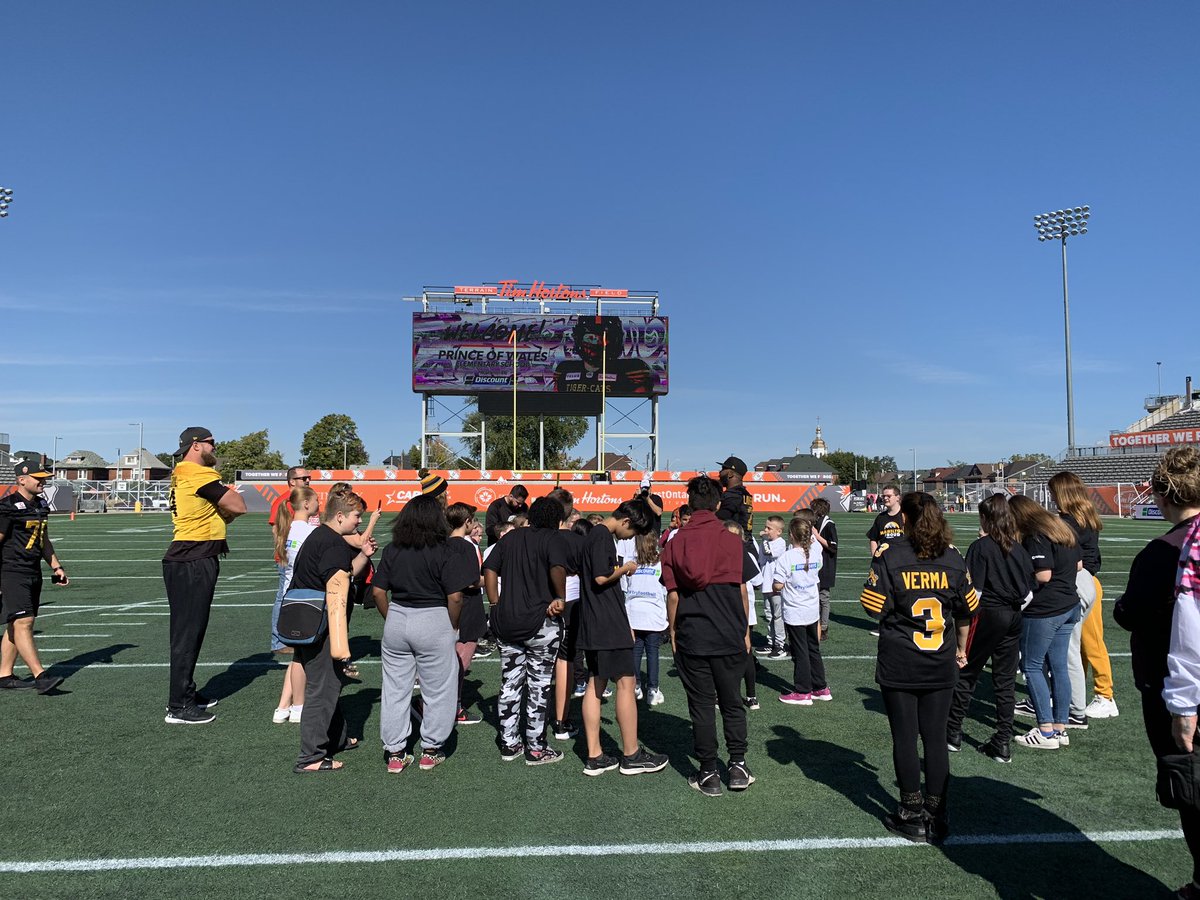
[648, 641]
[276, 643]
[1045, 643]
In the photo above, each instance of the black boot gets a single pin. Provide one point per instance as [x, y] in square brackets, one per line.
[937, 823]
[908, 820]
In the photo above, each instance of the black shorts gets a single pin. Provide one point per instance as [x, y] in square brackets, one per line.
[20, 595]
[569, 645]
[609, 664]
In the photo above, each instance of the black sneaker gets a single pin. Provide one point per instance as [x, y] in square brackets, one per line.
[997, 749]
[203, 702]
[1025, 708]
[642, 762]
[46, 682]
[598, 765]
[190, 716]
[750, 703]
[739, 776]
[509, 753]
[543, 756]
[564, 731]
[707, 783]
[1079, 721]
[954, 742]
[909, 825]
[13, 683]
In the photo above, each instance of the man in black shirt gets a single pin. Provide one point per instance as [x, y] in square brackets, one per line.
[504, 508]
[327, 562]
[607, 640]
[525, 579]
[737, 504]
[24, 543]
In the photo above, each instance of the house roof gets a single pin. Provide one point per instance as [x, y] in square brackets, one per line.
[147, 461]
[82, 459]
[804, 462]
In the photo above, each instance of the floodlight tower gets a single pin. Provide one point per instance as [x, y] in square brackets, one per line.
[5, 199]
[1058, 225]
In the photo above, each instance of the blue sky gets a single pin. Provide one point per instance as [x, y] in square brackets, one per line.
[219, 207]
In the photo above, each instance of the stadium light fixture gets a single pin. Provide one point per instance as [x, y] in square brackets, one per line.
[1059, 225]
[6, 195]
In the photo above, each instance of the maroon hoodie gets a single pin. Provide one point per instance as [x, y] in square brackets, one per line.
[707, 566]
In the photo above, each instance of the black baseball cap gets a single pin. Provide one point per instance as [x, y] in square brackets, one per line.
[32, 469]
[189, 436]
[734, 463]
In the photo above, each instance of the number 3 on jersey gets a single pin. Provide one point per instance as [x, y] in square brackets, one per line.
[935, 625]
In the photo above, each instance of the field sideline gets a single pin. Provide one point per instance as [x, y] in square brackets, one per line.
[104, 800]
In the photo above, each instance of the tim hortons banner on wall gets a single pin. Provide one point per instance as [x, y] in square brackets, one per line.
[394, 487]
[470, 353]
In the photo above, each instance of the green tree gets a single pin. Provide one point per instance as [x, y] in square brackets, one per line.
[250, 451]
[333, 438]
[846, 463]
[438, 455]
[562, 433]
[1039, 457]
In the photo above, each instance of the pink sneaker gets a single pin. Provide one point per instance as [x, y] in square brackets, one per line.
[822, 694]
[795, 699]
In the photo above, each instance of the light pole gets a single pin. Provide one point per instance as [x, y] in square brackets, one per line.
[54, 462]
[913, 450]
[1159, 378]
[5, 199]
[141, 474]
[1058, 225]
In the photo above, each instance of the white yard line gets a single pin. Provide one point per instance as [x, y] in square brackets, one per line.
[439, 854]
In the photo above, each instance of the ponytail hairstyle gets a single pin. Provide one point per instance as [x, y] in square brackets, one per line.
[1070, 496]
[647, 548]
[925, 526]
[996, 520]
[800, 531]
[1033, 518]
[286, 515]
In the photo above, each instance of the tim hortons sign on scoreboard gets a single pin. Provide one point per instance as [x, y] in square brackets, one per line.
[472, 353]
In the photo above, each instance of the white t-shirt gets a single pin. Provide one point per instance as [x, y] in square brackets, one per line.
[487, 551]
[771, 551]
[646, 598]
[297, 535]
[627, 550]
[756, 581]
[799, 576]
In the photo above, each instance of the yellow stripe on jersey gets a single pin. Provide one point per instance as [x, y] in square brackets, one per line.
[972, 599]
[195, 518]
[872, 601]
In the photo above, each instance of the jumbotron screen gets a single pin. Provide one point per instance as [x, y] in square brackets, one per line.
[469, 353]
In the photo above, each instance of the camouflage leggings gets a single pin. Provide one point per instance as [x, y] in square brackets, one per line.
[528, 672]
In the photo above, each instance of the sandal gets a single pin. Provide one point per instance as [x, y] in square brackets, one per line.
[350, 670]
[351, 744]
[325, 765]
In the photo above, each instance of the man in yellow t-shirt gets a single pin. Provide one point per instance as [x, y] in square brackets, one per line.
[200, 509]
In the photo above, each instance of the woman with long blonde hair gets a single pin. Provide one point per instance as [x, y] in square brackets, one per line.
[1088, 649]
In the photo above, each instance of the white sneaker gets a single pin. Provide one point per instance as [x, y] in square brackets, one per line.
[656, 697]
[637, 693]
[281, 715]
[1037, 740]
[1064, 739]
[1102, 708]
[295, 713]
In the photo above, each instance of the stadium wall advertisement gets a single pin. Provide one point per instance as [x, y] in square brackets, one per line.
[471, 353]
[1154, 438]
[394, 487]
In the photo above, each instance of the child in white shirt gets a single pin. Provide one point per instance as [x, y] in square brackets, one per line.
[646, 604]
[797, 576]
[294, 522]
[773, 546]
[751, 672]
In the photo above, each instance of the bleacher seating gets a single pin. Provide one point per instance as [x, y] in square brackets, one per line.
[1125, 468]
[1188, 418]
[7, 474]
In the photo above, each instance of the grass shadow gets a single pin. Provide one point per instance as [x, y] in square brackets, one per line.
[241, 673]
[100, 656]
[839, 768]
[356, 707]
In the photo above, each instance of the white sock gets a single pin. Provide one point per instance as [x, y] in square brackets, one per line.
[297, 709]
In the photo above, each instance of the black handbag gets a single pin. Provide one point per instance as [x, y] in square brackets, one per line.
[1178, 785]
[302, 618]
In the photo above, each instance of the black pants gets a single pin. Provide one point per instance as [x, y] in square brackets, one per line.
[919, 712]
[751, 675]
[190, 588]
[709, 680]
[995, 635]
[322, 727]
[1158, 729]
[808, 668]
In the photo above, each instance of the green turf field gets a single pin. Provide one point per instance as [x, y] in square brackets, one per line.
[102, 799]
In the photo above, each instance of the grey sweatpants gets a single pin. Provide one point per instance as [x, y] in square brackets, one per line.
[418, 642]
[773, 613]
[1085, 587]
